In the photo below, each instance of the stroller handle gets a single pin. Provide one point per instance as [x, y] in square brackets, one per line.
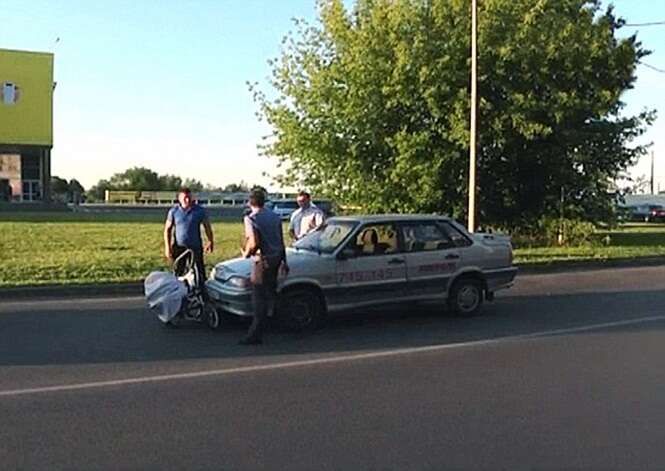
[183, 256]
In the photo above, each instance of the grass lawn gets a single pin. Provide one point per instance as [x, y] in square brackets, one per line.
[629, 241]
[72, 248]
[75, 248]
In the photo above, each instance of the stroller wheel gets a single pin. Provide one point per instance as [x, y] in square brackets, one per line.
[174, 323]
[213, 318]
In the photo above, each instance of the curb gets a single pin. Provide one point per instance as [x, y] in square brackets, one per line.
[578, 265]
[83, 291]
[136, 288]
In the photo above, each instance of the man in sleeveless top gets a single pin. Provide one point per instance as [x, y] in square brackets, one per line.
[264, 243]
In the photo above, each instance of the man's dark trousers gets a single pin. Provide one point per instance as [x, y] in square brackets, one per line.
[263, 297]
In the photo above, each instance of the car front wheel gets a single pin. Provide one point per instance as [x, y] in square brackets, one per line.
[300, 309]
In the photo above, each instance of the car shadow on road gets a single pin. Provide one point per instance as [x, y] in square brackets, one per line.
[132, 334]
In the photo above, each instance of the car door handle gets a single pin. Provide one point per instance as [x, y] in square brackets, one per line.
[452, 256]
[395, 261]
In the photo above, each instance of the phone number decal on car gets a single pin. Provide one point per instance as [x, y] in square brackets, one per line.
[366, 275]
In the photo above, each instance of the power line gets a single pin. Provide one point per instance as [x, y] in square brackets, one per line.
[654, 23]
[652, 67]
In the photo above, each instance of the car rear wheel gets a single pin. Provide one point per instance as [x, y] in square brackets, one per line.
[300, 310]
[466, 297]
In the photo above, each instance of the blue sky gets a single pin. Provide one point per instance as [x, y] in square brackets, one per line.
[162, 84]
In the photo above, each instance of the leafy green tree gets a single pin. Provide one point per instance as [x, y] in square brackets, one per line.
[75, 191]
[193, 184]
[136, 178]
[96, 193]
[372, 106]
[59, 188]
[241, 187]
[169, 182]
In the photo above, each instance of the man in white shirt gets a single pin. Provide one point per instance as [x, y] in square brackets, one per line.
[307, 218]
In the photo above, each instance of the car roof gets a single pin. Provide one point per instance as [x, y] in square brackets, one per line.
[371, 218]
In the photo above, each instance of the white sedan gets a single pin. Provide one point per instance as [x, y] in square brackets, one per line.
[360, 261]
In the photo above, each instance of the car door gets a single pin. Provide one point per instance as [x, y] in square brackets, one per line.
[371, 268]
[432, 258]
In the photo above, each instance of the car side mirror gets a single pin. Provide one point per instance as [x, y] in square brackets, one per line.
[346, 253]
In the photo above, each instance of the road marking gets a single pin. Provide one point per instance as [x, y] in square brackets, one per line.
[323, 361]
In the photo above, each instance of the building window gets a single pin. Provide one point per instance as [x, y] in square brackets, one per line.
[9, 93]
[32, 190]
[31, 167]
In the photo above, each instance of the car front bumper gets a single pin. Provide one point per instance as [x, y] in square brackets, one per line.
[231, 300]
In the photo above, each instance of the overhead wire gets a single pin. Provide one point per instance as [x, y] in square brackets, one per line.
[652, 67]
[653, 23]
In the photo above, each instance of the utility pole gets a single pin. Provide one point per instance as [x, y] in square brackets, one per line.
[652, 160]
[474, 106]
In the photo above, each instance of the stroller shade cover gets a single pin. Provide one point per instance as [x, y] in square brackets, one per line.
[164, 293]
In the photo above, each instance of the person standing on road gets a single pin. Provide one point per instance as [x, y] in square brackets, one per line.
[187, 218]
[307, 218]
[264, 243]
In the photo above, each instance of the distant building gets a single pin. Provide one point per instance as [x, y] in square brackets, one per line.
[26, 125]
[212, 198]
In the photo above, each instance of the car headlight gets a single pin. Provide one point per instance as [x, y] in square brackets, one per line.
[238, 282]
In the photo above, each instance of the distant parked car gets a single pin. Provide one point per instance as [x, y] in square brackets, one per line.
[657, 214]
[283, 208]
[647, 212]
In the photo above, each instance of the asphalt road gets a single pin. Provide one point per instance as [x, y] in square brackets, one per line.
[565, 371]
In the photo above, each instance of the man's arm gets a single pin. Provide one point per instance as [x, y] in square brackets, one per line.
[210, 246]
[168, 238]
[251, 244]
[292, 224]
[319, 218]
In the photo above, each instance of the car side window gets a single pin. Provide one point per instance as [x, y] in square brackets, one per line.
[458, 239]
[375, 239]
[424, 237]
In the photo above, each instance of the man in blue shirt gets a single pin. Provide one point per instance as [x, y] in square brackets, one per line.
[264, 242]
[187, 218]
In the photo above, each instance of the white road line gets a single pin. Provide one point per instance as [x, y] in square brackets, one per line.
[323, 361]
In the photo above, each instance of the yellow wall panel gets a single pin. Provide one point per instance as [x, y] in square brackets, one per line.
[26, 98]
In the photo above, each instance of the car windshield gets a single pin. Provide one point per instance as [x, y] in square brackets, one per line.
[327, 238]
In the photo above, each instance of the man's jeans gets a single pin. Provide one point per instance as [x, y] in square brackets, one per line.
[263, 297]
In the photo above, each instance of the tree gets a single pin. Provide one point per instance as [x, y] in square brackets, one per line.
[170, 182]
[136, 178]
[75, 191]
[193, 184]
[241, 187]
[97, 192]
[372, 106]
[59, 188]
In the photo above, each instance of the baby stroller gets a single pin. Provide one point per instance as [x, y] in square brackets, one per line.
[178, 295]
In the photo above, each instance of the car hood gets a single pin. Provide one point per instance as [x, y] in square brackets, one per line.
[243, 266]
